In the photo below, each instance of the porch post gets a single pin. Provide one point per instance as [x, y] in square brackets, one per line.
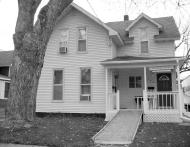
[106, 84]
[145, 101]
[181, 101]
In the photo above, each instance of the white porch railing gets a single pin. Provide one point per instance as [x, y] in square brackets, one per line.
[112, 105]
[161, 100]
[139, 102]
[113, 101]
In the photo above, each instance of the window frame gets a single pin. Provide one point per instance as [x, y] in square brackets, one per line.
[90, 84]
[135, 81]
[143, 39]
[53, 84]
[67, 40]
[5, 90]
[78, 39]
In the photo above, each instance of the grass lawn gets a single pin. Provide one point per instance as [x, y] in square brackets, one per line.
[56, 131]
[162, 135]
[76, 131]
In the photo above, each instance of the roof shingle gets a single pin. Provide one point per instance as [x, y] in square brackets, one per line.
[170, 29]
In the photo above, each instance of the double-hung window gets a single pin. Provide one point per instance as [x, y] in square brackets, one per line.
[82, 39]
[135, 82]
[143, 41]
[63, 44]
[85, 84]
[6, 92]
[58, 85]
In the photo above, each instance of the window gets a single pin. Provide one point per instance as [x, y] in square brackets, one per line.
[144, 40]
[144, 46]
[63, 44]
[7, 87]
[85, 84]
[135, 82]
[82, 40]
[58, 85]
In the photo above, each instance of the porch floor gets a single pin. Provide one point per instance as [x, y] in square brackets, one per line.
[121, 129]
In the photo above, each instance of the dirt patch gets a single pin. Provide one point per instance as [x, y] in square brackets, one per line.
[56, 131]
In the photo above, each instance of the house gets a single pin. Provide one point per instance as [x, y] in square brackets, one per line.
[5, 63]
[186, 93]
[96, 67]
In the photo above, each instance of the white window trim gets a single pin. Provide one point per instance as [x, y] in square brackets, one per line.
[63, 84]
[86, 51]
[135, 82]
[4, 88]
[68, 35]
[144, 39]
[80, 84]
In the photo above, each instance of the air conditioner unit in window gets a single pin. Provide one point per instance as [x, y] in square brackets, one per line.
[63, 50]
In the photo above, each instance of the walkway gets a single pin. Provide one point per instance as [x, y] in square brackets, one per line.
[121, 130]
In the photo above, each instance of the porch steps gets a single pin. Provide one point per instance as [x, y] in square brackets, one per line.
[122, 128]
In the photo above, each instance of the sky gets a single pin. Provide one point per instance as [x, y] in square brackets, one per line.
[105, 10]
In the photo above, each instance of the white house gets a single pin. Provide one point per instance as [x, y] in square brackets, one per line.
[5, 63]
[96, 67]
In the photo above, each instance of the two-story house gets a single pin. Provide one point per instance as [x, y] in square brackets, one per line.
[96, 67]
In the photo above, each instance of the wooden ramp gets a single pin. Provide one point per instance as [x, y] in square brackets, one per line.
[121, 129]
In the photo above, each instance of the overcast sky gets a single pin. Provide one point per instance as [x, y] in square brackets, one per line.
[106, 10]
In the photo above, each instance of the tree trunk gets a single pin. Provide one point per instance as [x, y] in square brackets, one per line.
[30, 45]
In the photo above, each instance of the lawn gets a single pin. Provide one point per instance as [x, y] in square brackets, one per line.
[162, 135]
[76, 131]
[56, 131]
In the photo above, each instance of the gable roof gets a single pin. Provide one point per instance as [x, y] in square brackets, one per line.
[113, 33]
[6, 58]
[169, 28]
[142, 15]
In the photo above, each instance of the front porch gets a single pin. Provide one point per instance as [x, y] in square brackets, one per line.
[151, 87]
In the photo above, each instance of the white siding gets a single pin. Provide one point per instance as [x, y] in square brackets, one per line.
[2, 89]
[127, 94]
[98, 49]
[156, 49]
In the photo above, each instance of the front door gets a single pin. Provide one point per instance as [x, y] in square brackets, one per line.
[164, 83]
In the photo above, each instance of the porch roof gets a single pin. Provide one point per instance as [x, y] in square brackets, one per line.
[134, 59]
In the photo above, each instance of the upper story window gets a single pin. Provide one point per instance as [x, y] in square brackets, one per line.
[82, 39]
[64, 39]
[143, 40]
[58, 85]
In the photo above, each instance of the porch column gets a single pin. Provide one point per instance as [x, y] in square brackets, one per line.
[181, 101]
[145, 101]
[106, 84]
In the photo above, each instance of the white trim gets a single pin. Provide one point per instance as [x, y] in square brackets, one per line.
[85, 28]
[57, 69]
[137, 61]
[86, 84]
[141, 16]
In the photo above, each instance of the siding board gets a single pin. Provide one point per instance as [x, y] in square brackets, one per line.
[98, 50]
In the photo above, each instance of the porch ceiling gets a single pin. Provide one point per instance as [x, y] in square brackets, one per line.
[141, 61]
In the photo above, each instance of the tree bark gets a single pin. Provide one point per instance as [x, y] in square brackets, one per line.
[30, 41]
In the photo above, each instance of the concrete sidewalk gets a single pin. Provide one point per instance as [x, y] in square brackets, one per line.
[18, 145]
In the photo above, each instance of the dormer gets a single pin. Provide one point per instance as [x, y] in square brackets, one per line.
[141, 16]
